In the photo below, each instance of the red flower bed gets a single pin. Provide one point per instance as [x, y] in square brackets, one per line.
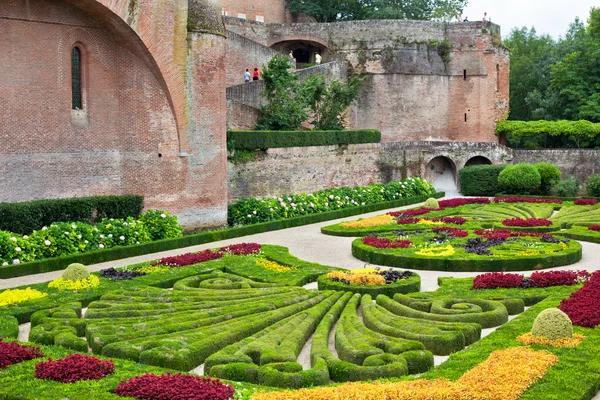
[242, 249]
[410, 213]
[174, 387]
[585, 202]
[495, 280]
[583, 307]
[529, 222]
[594, 228]
[451, 203]
[14, 353]
[557, 278]
[408, 221]
[454, 220]
[446, 220]
[189, 258]
[73, 368]
[459, 233]
[513, 199]
[385, 243]
[506, 233]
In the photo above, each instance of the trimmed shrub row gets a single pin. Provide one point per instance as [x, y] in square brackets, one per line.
[24, 218]
[262, 140]
[480, 180]
[95, 257]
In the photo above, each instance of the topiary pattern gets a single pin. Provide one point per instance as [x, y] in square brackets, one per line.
[431, 203]
[76, 272]
[552, 324]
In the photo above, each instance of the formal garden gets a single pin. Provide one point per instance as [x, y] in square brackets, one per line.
[252, 321]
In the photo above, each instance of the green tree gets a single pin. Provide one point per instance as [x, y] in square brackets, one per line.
[328, 103]
[285, 110]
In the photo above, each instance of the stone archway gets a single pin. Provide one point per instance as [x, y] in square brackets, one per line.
[478, 160]
[441, 173]
[304, 51]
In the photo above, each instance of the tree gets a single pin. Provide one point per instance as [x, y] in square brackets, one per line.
[345, 10]
[329, 102]
[285, 110]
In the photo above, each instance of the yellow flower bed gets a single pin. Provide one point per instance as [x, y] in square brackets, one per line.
[65, 284]
[362, 271]
[12, 296]
[373, 221]
[358, 278]
[529, 339]
[443, 251]
[505, 375]
[149, 269]
[272, 265]
[432, 223]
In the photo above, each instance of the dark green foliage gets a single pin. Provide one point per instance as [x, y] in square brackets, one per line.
[24, 218]
[568, 187]
[409, 285]
[519, 179]
[550, 175]
[550, 134]
[592, 186]
[480, 180]
[262, 140]
[9, 326]
[61, 326]
[116, 253]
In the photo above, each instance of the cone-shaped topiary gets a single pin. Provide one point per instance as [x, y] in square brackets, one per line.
[552, 324]
[76, 272]
[432, 203]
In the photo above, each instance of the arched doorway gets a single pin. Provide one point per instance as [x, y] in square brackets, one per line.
[304, 51]
[478, 160]
[441, 173]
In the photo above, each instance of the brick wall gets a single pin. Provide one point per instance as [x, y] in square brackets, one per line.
[243, 53]
[268, 11]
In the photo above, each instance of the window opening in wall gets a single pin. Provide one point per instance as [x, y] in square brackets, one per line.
[465, 117]
[241, 16]
[76, 92]
[465, 74]
[260, 18]
[497, 77]
[224, 12]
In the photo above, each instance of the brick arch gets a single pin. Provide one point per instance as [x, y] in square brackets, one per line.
[299, 38]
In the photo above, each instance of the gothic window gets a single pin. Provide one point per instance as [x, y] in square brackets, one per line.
[76, 82]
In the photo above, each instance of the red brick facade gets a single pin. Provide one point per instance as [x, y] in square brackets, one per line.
[267, 11]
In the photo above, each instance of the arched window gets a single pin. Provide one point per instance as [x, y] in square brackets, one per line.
[76, 83]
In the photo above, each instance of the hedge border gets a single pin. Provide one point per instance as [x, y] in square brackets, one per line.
[59, 263]
[404, 286]
[262, 140]
[382, 257]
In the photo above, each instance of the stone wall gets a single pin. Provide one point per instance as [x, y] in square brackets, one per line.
[243, 53]
[579, 163]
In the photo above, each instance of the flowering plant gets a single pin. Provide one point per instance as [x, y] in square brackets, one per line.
[594, 228]
[583, 307]
[442, 251]
[14, 353]
[189, 258]
[367, 222]
[174, 387]
[242, 249]
[73, 368]
[11, 296]
[585, 202]
[459, 233]
[529, 222]
[538, 279]
[386, 243]
[462, 201]
[410, 213]
[272, 265]
[66, 284]
[506, 233]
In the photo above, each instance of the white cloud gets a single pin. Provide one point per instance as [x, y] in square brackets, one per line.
[547, 16]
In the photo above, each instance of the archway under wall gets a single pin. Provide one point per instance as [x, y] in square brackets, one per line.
[478, 160]
[304, 51]
[441, 172]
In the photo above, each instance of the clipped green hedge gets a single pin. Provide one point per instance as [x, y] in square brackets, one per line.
[262, 140]
[388, 258]
[95, 257]
[480, 180]
[572, 129]
[24, 218]
[410, 285]
[9, 326]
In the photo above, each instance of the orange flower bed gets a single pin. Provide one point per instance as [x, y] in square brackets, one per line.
[529, 339]
[367, 222]
[505, 375]
[357, 278]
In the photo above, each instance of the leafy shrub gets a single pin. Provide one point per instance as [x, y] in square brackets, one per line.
[585, 202]
[115, 275]
[252, 210]
[24, 218]
[76, 272]
[567, 187]
[550, 175]
[538, 279]
[592, 186]
[14, 353]
[263, 140]
[161, 225]
[480, 180]
[174, 387]
[431, 203]
[552, 324]
[73, 368]
[519, 179]
[67, 284]
[583, 307]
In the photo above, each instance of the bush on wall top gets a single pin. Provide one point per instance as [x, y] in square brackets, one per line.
[262, 140]
[24, 218]
[480, 180]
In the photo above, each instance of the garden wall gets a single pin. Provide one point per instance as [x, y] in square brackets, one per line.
[579, 163]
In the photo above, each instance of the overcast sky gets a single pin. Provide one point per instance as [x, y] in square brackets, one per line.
[547, 16]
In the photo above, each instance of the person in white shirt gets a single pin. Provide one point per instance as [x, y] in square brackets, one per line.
[318, 59]
[247, 76]
[485, 17]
